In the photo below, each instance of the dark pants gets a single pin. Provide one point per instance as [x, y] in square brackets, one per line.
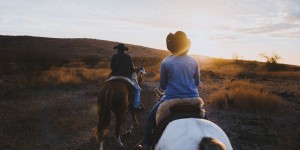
[150, 124]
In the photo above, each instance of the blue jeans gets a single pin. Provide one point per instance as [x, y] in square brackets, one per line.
[150, 124]
[137, 99]
[137, 95]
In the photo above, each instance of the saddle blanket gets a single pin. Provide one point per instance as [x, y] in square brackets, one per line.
[121, 77]
[164, 109]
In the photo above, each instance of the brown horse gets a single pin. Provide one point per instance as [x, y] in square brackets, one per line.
[115, 96]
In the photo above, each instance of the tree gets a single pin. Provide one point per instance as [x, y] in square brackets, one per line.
[271, 59]
[235, 56]
[272, 62]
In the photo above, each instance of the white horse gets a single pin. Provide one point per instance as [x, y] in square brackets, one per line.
[186, 134]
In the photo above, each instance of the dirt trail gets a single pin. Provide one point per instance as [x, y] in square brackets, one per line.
[66, 118]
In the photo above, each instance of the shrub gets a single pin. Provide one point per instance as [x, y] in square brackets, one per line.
[245, 95]
[272, 62]
[94, 74]
[271, 59]
[70, 76]
[31, 62]
[91, 61]
[61, 76]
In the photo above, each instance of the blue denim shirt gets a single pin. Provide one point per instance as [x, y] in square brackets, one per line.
[179, 77]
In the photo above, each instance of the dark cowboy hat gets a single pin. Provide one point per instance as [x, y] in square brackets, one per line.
[178, 43]
[121, 47]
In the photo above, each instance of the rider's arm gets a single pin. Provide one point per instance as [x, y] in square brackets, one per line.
[131, 65]
[197, 75]
[113, 64]
[163, 77]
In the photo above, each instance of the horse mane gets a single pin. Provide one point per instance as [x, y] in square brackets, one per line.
[208, 143]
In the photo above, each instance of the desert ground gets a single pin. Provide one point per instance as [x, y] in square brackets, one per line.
[53, 106]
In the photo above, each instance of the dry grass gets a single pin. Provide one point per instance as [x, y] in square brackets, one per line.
[228, 68]
[289, 75]
[70, 76]
[220, 63]
[94, 74]
[12, 88]
[245, 95]
[61, 76]
[146, 61]
[91, 60]
[153, 73]
[284, 75]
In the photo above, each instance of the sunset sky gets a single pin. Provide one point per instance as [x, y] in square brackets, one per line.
[217, 28]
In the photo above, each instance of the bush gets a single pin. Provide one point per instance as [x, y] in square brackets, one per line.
[272, 62]
[244, 95]
[91, 61]
[59, 77]
[29, 62]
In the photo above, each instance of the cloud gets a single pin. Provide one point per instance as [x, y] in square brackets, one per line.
[221, 38]
[268, 28]
[295, 34]
[293, 17]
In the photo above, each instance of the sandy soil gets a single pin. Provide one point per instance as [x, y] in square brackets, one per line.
[65, 118]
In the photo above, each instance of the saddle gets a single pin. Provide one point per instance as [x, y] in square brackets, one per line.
[171, 110]
[179, 105]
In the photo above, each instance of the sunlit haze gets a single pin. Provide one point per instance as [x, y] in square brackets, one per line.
[217, 28]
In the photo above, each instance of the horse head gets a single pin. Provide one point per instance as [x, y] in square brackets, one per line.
[140, 71]
[208, 143]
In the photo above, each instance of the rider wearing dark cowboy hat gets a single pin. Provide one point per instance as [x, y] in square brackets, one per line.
[122, 65]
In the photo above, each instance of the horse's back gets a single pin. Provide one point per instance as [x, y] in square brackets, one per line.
[188, 133]
[118, 86]
[115, 91]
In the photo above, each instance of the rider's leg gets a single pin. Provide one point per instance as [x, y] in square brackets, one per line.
[150, 125]
[137, 99]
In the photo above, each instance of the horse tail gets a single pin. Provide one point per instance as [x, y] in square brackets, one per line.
[104, 111]
[208, 143]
